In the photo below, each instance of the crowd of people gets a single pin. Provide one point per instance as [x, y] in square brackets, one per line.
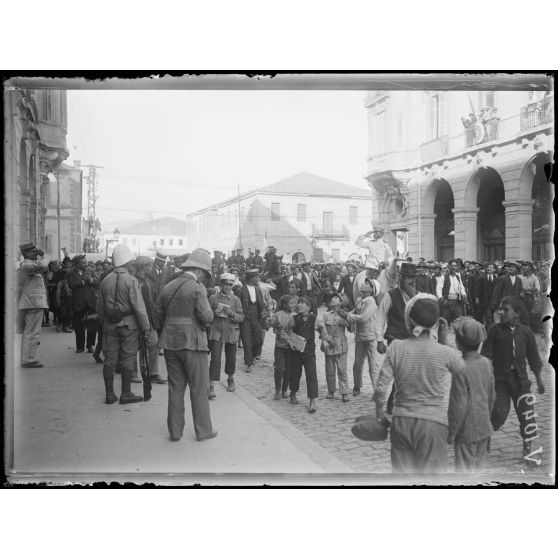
[194, 307]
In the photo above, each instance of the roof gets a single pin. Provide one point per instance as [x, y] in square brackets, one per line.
[162, 226]
[301, 184]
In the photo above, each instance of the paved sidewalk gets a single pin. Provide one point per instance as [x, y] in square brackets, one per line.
[62, 425]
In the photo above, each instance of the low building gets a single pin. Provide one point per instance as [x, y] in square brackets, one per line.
[166, 235]
[463, 173]
[306, 217]
[63, 210]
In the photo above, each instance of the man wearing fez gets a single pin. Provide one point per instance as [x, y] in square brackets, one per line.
[253, 308]
[377, 249]
[32, 301]
[184, 312]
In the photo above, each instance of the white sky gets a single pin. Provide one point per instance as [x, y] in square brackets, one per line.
[174, 152]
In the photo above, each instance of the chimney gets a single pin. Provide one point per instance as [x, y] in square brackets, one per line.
[77, 164]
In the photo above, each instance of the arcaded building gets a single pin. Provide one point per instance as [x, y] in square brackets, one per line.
[463, 173]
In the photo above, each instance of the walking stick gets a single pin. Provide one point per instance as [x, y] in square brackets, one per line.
[144, 368]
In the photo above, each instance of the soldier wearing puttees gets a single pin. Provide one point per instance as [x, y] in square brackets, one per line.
[377, 249]
[185, 314]
[32, 302]
[120, 297]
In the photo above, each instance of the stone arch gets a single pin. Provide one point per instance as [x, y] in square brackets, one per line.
[299, 257]
[438, 221]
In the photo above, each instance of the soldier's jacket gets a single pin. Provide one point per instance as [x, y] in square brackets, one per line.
[226, 329]
[31, 286]
[128, 299]
[185, 317]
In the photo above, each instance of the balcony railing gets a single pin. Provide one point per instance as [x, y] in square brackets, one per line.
[434, 149]
[537, 113]
[341, 233]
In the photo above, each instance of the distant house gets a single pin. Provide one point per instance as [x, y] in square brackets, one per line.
[167, 235]
[306, 217]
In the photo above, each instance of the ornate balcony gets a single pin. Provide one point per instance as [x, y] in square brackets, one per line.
[330, 233]
[537, 114]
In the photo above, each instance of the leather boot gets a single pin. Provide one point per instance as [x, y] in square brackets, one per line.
[108, 376]
[127, 395]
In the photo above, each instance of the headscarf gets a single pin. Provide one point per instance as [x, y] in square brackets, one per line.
[415, 329]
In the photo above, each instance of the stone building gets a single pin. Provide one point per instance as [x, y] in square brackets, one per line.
[463, 174]
[35, 122]
[306, 217]
[63, 210]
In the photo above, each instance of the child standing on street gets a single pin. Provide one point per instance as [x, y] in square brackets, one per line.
[282, 323]
[304, 325]
[471, 399]
[334, 345]
[510, 345]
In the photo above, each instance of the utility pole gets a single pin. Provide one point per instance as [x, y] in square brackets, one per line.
[91, 212]
[239, 223]
[58, 211]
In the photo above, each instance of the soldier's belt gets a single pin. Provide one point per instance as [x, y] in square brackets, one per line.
[178, 321]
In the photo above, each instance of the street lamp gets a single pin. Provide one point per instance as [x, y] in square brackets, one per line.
[115, 236]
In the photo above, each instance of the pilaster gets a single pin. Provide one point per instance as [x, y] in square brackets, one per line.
[465, 222]
[519, 228]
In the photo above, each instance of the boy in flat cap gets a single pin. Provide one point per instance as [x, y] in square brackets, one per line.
[472, 397]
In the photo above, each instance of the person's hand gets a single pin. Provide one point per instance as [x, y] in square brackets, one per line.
[146, 333]
[451, 439]
[325, 344]
[381, 347]
[540, 386]
[443, 330]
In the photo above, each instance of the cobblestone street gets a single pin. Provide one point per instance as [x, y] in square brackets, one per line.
[330, 426]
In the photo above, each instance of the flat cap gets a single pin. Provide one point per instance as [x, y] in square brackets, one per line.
[227, 277]
[27, 247]
[469, 331]
[143, 261]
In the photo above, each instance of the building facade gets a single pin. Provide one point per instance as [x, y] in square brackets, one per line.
[63, 228]
[463, 173]
[166, 235]
[35, 124]
[306, 217]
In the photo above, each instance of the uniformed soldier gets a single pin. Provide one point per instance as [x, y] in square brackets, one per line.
[377, 248]
[184, 312]
[120, 297]
[32, 302]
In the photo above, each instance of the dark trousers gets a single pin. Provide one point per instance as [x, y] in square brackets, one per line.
[65, 313]
[471, 456]
[418, 445]
[512, 389]
[451, 309]
[251, 335]
[216, 350]
[99, 346]
[282, 368]
[487, 316]
[298, 360]
[188, 368]
[80, 331]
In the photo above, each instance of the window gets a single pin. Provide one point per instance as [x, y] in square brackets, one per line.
[436, 116]
[301, 212]
[486, 99]
[328, 221]
[162, 242]
[353, 215]
[336, 254]
[171, 242]
[180, 242]
[275, 211]
[399, 130]
[378, 132]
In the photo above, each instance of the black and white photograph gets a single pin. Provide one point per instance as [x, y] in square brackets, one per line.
[326, 279]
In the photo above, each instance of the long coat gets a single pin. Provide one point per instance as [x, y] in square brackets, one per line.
[83, 293]
[32, 290]
[504, 288]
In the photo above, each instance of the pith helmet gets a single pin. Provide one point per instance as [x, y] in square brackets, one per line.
[199, 258]
[121, 255]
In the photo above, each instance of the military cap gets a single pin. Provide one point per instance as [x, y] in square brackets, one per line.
[252, 272]
[27, 247]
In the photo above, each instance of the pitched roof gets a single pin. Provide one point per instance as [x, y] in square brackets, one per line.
[162, 226]
[308, 183]
[303, 183]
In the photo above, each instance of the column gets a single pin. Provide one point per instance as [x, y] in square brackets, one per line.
[519, 228]
[428, 236]
[465, 222]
